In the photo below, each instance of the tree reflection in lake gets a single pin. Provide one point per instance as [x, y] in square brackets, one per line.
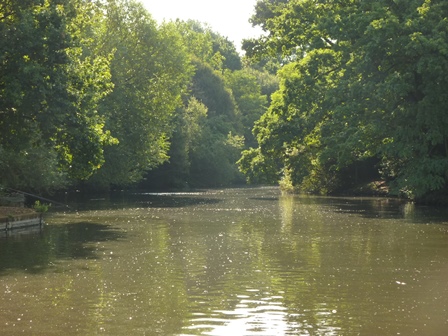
[231, 262]
[37, 252]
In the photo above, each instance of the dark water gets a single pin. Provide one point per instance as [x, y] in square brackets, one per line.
[229, 262]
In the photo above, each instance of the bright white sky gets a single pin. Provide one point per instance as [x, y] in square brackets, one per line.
[229, 18]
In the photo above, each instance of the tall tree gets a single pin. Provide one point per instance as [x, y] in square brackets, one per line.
[251, 103]
[226, 48]
[367, 79]
[213, 161]
[150, 72]
[176, 172]
[50, 87]
[204, 149]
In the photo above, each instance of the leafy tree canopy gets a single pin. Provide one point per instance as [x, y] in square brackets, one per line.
[150, 72]
[95, 92]
[366, 79]
[51, 82]
[86, 85]
[205, 146]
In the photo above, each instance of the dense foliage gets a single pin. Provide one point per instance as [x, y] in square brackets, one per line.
[51, 82]
[150, 72]
[220, 107]
[97, 94]
[363, 82]
[335, 94]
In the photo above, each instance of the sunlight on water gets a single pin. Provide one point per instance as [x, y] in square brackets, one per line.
[257, 317]
[250, 317]
[234, 262]
[177, 193]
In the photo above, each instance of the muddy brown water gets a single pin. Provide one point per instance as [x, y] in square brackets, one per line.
[229, 262]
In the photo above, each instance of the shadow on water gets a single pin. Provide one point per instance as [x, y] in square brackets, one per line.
[165, 201]
[269, 198]
[394, 209]
[35, 253]
[383, 208]
[123, 200]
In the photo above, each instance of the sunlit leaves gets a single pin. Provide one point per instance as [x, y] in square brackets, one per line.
[250, 101]
[51, 82]
[368, 79]
[150, 72]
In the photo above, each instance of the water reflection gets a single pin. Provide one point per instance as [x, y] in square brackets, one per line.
[252, 314]
[40, 250]
[231, 262]
[129, 200]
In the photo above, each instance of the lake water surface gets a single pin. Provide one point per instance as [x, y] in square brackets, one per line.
[229, 262]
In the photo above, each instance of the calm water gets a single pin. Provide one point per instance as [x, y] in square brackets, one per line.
[229, 262]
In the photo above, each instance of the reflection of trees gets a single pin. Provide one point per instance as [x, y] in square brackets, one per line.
[287, 212]
[54, 289]
[37, 252]
[247, 256]
[329, 264]
[129, 200]
[299, 260]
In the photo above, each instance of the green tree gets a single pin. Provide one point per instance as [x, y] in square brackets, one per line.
[251, 103]
[213, 160]
[205, 146]
[201, 43]
[366, 80]
[226, 48]
[175, 173]
[150, 72]
[50, 86]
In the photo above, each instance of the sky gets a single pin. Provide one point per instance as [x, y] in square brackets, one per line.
[229, 18]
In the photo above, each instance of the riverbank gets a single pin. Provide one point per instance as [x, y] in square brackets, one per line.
[18, 219]
[7, 212]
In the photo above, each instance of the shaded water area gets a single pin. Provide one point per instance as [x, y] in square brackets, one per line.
[229, 262]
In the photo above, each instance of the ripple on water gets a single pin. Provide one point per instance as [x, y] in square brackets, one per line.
[264, 316]
[255, 313]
